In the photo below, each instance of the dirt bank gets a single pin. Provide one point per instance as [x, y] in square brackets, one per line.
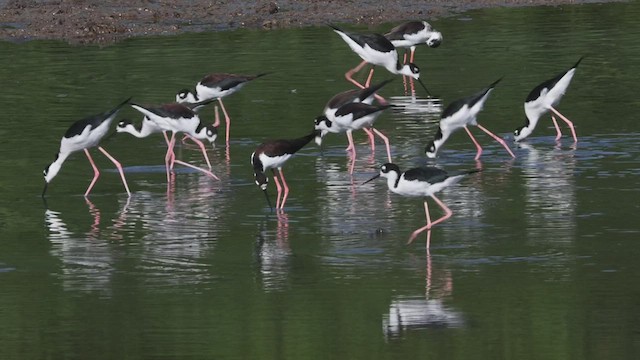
[100, 21]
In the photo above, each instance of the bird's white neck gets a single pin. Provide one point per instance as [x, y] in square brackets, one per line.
[392, 180]
[52, 170]
[526, 130]
[438, 141]
[404, 70]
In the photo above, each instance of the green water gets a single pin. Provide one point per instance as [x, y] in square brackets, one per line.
[539, 260]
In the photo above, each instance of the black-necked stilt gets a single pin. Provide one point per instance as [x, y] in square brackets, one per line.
[421, 182]
[460, 114]
[148, 127]
[366, 95]
[216, 86]
[542, 99]
[353, 116]
[176, 117]
[82, 135]
[376, 49]
[272, 155]
[414, 33]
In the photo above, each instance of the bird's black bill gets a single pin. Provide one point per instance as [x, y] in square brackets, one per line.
[425, 88]
[373, 178]
[267, 197]
[44, 191]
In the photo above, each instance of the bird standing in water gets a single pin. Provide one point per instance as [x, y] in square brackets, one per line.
[273, 154]
[421, 182]
[83, 135]
[542, 99]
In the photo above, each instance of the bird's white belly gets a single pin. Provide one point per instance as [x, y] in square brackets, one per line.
[86, 139]
[273, 162]
[206, 93]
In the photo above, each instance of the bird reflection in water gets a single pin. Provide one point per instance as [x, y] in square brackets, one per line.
[86, 260]
[550, 190]
[407, 313]
[273, 256]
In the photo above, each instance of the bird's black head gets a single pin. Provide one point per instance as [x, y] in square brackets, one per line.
[211, 130]
[320, 119]
[261, 180]
[389, 167]
[414, 68]
[124, 122]
[430, 148]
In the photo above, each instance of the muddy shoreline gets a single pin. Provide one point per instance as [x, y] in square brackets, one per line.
[104, 22]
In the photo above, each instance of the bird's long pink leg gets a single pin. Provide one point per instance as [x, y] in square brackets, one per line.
[371, 139]
[173, 156]
[498, 139]
[378, 97]
[286, 189]
[386, 142]
[348, 75]
[573, 130]
[169, 158]
[207, 172]
[413, 52]
[369, 77]
[475, 142]
[426, 227]
[278, 187]
[117, 164]
[96, 173]
[353, 150]
[447, 211]
[203, 148]
[558, 132]
[216, 123]
[226, 118]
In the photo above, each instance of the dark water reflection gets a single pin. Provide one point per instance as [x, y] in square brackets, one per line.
[538, 261]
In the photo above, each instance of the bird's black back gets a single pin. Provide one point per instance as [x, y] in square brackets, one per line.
[429, 174]
[375, 41]
[470, 101]
[398, 32]
[285, 146]
[535, 93]
[360, 110]
[94, 121]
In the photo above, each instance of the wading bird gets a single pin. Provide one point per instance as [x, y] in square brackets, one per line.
[176, 117]
[272, 154]
[544, 98]
[375, 49]
[216, 86]
[459, 115]
[83, 135]
[421, 182]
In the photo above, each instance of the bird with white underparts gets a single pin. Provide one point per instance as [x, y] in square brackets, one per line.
[544, 98]
[410, 34]
[375, 49]
[350, 117]
[366, 95]
[217, 86]
[176, 117]
[273, 154]
[459, 115]
[148, 127]
[421, 182]
[83, 135]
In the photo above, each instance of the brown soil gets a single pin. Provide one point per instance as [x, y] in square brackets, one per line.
[106, 21]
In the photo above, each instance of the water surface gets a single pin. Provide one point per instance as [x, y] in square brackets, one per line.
[538, 261]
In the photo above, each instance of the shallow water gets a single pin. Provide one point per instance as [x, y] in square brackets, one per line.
[538, 260]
